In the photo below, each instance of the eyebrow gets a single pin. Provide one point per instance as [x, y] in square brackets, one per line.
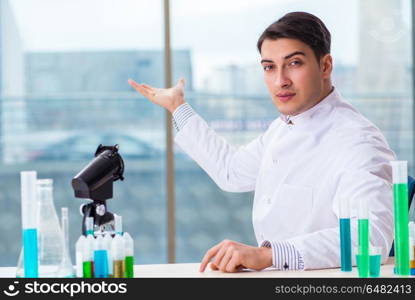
[285, 57]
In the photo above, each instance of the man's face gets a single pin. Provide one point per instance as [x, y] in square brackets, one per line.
[294, 77]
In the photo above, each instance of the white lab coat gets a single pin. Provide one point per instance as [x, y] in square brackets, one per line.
[300, 172]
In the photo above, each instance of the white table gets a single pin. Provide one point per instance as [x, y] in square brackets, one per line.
[192, 270]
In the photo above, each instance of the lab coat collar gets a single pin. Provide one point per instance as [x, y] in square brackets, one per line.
[321, 107]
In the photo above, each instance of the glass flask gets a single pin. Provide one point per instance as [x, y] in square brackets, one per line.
[50, 237]
[66, 268]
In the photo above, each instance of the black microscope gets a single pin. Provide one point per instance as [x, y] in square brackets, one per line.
[95, 182]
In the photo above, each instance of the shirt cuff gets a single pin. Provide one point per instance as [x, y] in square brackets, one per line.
[284, 255]
[181, 115]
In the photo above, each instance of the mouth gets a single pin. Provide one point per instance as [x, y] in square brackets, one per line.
[285, 97]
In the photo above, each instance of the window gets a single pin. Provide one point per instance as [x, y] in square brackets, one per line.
[69, 93]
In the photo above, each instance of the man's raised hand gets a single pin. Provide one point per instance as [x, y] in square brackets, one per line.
[169, 98]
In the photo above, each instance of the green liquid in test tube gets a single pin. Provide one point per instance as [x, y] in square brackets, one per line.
[129, 255]
[363, 239]
[87, 269]
[129, 266]
[400, 205]
[88, 250]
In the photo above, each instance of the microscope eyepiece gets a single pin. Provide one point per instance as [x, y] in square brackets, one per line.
[95, 180]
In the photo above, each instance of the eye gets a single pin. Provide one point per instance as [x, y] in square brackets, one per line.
[295, 63]
[268, 67]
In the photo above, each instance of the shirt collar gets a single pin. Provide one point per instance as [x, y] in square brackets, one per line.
[308, 114]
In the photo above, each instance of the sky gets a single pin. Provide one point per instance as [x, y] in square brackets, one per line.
[218, 32]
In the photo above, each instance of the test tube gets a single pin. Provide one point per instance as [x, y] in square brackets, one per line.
[345, 236]
[79, 249]
[66, 268]
[375, 260]
[118, 224]
[88, 253]
[108, 243]
[89, 226]
[118, 256]
[117, 248]
[412, 248]
[400, 195]
[129, 255]
[88, 257]
[65, 226]
[363, 237]
[29, 224]
[100, 258]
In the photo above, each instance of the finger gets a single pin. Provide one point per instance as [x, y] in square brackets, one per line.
[149, 87]
[226, 258]
[234, 264]
[132, 82]
[140, 86]
[219, 256]
[209, 254]
[146, 92]
[181, 83]
[213, 266]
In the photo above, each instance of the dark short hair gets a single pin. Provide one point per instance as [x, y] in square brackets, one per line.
[300, 26]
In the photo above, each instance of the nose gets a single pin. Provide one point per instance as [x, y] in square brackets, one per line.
[281, 79]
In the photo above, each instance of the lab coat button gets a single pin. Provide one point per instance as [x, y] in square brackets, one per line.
[269, 200]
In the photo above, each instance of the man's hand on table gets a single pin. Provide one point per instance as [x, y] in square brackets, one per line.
[230, 256]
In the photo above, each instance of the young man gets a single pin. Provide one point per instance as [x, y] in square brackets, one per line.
[319, 152]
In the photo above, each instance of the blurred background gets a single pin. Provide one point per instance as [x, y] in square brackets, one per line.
[64, 66]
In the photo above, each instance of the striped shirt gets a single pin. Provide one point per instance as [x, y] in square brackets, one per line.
[284, 255]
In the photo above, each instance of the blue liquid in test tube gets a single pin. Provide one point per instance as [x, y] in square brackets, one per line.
[29, 224]
[100, 258]
[345, 236]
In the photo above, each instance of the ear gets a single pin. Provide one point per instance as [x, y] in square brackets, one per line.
[326, 63]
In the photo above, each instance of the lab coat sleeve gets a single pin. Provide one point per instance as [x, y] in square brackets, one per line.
[233, 170]
[369, 177]
[181, 115]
